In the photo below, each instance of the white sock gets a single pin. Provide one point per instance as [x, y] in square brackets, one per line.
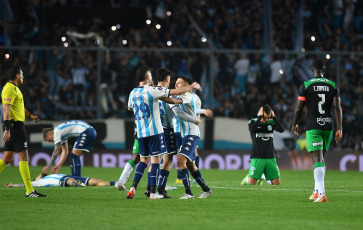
[263, 177]
[126, 173]
[319, 174]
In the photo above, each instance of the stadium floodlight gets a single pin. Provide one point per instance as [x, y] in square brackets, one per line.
[168, 13]
[312, 38]
[169, 43]
[118, 26]
[63, 39]
[158, 26]
[65, 44]
[113, 28]
[327, 56]
[7, 56]
[148, 21]
[281, 71]
[124, 41]
[204, 39]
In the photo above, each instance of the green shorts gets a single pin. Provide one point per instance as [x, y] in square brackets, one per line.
[267, 166]
[318, 139]
[135, 149]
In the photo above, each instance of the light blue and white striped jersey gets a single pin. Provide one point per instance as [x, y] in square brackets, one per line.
[199, 106]
[176, 124]
[145, 103]
[51, 180]
[189, 106]
[69, 129]
[166, 115]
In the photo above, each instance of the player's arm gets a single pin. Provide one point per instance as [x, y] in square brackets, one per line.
[6, 124]
[338, 117]
[63, 157]
[206, 112]
[297, 114]
[9, 185]
[253, 125]
[184, 115]
[185, 89]
[55, 153]
[34, 117]
[278, 126]
[171, 100]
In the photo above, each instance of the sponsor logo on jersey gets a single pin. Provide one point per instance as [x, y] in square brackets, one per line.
[7, 99]
[322, 120]
[321, 88]
[317, 143]
[264, 136]
[319, 79]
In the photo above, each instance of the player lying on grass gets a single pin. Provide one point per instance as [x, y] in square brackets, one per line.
[63, 180]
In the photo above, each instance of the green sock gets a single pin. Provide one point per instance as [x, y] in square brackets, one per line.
[318, 164]
[131, 163]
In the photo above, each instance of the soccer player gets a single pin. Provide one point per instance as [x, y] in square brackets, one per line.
[166, 116]
[144, 101]
[130, 165]
[15, 137]
[263, 154]
[190, 138]
[63, 180]
[85, 135]
[320, 96]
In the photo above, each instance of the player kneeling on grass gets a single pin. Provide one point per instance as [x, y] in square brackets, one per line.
[263, 154]
[63, 180]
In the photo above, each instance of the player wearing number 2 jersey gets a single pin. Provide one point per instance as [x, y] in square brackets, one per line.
[320, 96]
[144, 101]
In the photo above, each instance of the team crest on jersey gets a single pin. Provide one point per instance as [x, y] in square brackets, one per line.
[269, 127]
[25, 144]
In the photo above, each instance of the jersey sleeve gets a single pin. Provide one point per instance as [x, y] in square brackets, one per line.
[302, 93]
[159, 91]
[58, 137]
[129, 103]
[8, 95]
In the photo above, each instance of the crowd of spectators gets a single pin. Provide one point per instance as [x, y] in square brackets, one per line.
[61, 80]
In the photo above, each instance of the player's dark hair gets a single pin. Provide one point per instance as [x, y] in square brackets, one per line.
[12, 72]
[187, 79]
[319, 64]
[266, 109]
[141, 73]
[45, 132]
[162, 74]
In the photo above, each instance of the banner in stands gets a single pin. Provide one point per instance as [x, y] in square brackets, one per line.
[221, 159]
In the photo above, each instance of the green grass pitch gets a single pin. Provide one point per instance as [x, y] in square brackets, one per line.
[231, 206]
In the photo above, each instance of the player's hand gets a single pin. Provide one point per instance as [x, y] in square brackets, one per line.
[35, 118]
[272, 113]
[338, 135]
[198, 121]
[295, 130]
[45, 169]
[6, 136]
[55, 169]
[197, 86]
[260, 112]
[208, 112]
